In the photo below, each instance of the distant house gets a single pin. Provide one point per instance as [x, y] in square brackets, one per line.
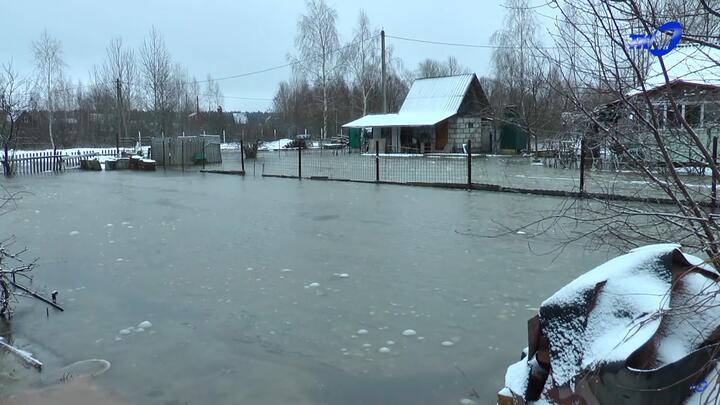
[438, 115]
[694, 82]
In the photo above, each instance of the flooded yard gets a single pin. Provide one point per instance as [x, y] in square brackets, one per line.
[263, 290]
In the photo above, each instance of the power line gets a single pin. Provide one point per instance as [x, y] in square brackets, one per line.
[424, 41]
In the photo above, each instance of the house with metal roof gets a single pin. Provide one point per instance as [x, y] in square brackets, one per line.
[693, 81]
[439, 114]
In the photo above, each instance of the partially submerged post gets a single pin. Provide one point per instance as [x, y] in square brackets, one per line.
[469, 162]
[377, 161]
[242, 156]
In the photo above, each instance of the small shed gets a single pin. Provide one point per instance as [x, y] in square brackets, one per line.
[186, 150]
[439, 114]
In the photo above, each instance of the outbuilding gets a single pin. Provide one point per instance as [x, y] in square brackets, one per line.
[439, 114]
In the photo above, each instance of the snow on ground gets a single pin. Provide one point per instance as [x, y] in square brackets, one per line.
[275, 145]
[104, 151]
[230, 146]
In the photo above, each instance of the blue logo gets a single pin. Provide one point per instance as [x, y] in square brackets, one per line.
[699, 387]
[658, 43]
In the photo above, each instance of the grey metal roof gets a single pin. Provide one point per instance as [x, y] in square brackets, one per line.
[437, 95]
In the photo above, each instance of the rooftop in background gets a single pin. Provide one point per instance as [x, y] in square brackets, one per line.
[689, 63]
[429, 101]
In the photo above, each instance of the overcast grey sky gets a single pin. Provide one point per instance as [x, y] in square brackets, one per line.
[224, 37]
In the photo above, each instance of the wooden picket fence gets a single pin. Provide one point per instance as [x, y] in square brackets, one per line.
[24, 163]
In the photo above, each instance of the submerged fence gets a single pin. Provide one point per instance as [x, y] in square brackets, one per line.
[48, 161]
[474, 171]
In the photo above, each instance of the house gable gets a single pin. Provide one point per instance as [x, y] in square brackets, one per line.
[474, 102]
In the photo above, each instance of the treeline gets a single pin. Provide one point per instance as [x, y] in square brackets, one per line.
[334, 82]
[130, 91]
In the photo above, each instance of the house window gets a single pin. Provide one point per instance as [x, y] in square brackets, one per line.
[692, 115]
[673, 120]
[471, 125]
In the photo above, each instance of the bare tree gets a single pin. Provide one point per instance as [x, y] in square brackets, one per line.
[434, 68]
[120, 69]
[15, 98]
[364, 61]
[213, 94]
[156, 70]
[49, 64]
[318, 43]
[647, 120]
[524, 78]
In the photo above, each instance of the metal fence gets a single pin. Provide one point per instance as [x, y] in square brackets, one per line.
[475, 171]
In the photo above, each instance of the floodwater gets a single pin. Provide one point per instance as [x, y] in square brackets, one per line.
[224, 268]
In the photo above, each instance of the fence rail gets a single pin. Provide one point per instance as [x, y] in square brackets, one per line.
[474, 171]
[24, 163]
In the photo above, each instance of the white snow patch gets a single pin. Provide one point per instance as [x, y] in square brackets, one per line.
[384, 350]
[516, 377]
[447, 343]
[362, 332]
[145, 325]
[74, 233]
[275, 145]
[125, 331]
[409, 332]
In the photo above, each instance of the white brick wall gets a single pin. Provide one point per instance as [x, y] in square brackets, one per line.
[459, 133]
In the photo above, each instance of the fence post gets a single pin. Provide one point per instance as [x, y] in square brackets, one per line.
[469, 162]
[164, 156]
[242, 157]
[182, 153]
[299, 162]
[377, 161]
[203, 156]
[582, 166]
[714, 175]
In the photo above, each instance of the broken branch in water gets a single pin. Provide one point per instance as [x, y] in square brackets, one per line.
[26, 357]
[38, 296]
[9, 283]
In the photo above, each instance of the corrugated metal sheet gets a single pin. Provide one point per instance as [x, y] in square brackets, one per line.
[181, 150]
[437, 95]
[428, 102]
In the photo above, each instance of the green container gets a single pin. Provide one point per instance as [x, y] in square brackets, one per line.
[513, 137]
[355, 137]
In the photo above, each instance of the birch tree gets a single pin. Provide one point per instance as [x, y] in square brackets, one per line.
[318, 43]
[156, 69]
[49, 65]
[120, 65]
[364, 61]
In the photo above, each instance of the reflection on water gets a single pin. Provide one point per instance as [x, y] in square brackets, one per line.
[257, 288]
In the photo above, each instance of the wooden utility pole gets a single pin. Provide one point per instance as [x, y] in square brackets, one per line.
[383, 75]
[119, 107]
